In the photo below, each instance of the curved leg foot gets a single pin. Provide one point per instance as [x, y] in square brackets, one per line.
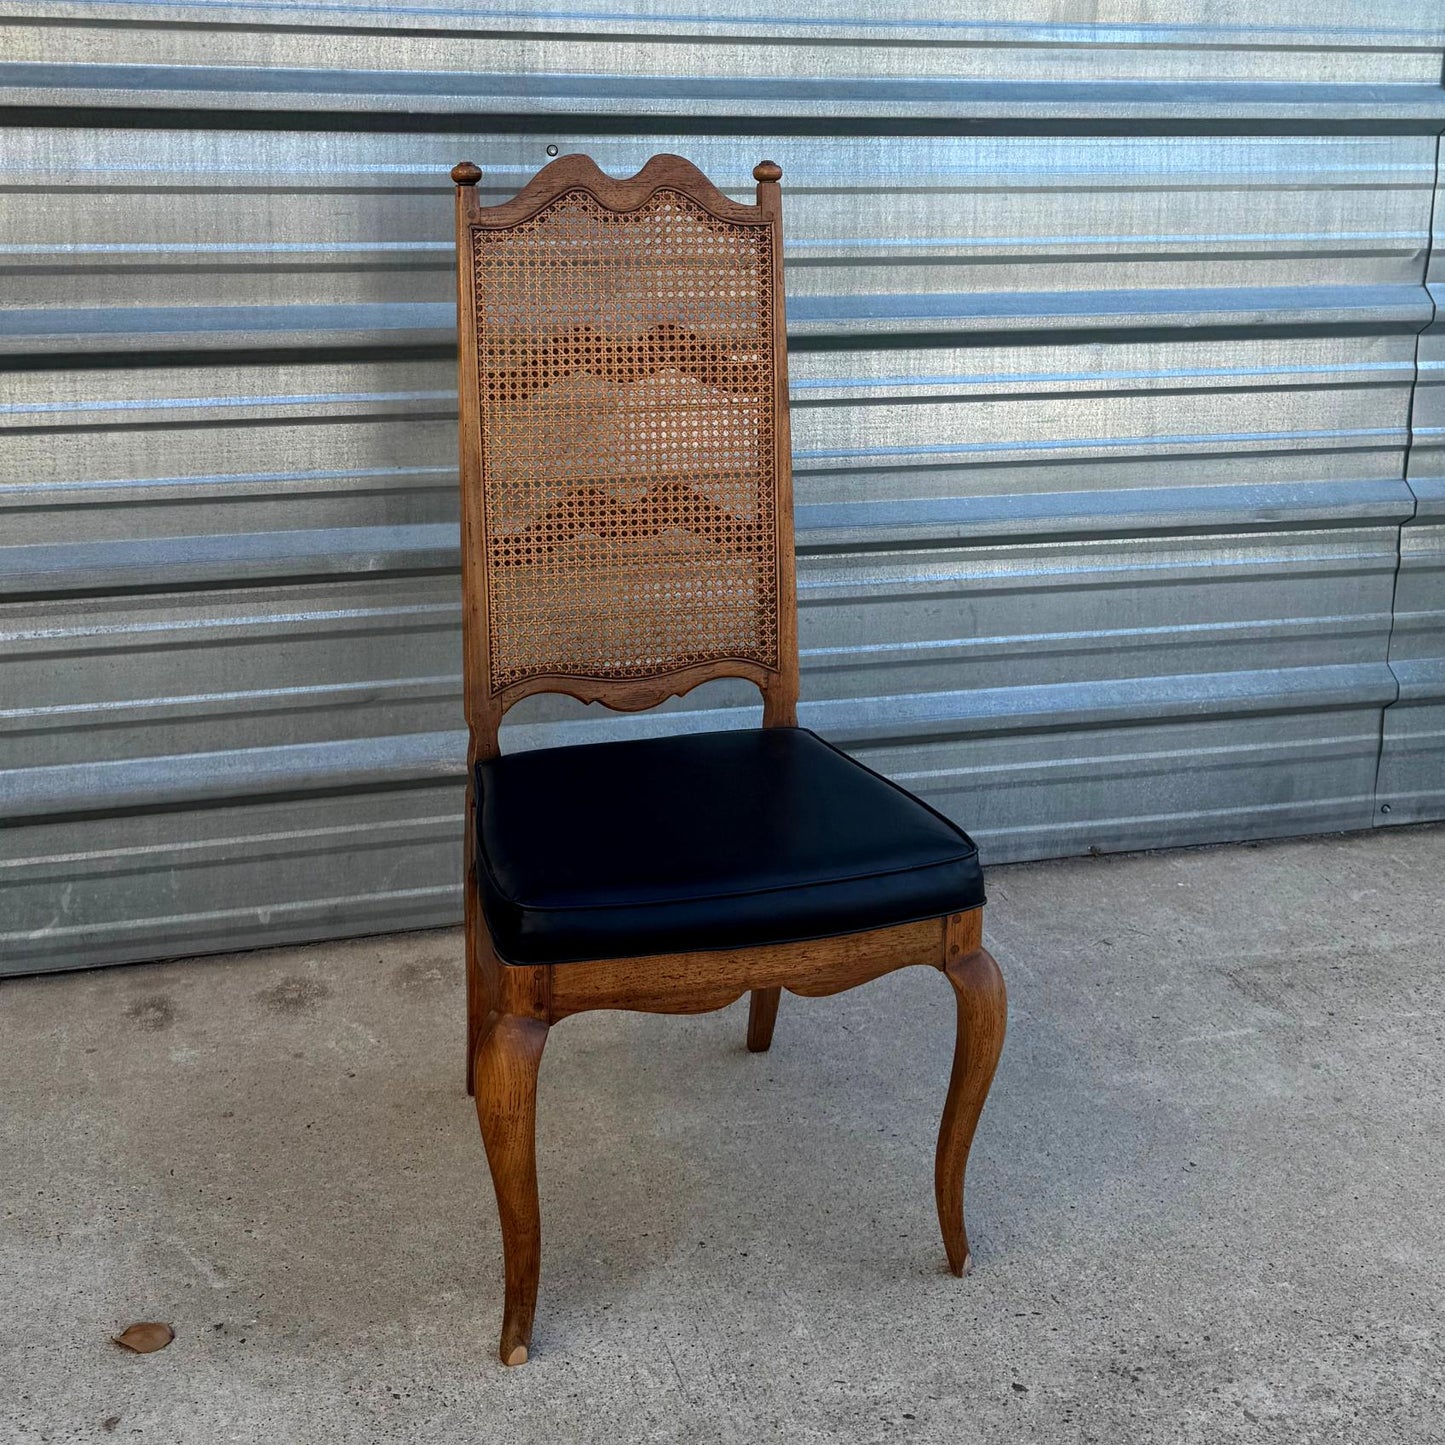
[982, 1014]
[762, 1015]
[506, 1083]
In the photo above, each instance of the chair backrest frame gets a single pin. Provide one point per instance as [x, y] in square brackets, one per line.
[487, 698]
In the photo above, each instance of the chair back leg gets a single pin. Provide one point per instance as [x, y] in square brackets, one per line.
[762, 1015]
[479, 1003]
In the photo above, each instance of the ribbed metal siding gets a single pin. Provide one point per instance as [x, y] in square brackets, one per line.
[1105, 340]
[1412, 763]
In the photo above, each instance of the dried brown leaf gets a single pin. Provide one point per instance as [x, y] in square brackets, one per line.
[145, 1337]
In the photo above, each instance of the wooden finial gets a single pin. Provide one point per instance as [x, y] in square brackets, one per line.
[766, 171]
[466, 173]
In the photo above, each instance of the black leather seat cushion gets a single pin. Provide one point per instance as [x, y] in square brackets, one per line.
[711, 840]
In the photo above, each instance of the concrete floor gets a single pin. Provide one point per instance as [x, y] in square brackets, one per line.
[1205, 1200]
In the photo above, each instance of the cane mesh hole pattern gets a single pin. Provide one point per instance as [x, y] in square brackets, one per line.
[626, 383]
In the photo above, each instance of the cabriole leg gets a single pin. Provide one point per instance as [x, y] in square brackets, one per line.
[506, 1084]
[982, 1014]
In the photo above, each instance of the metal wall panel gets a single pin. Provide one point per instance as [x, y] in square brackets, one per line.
[1105, 338]
[1412, 762]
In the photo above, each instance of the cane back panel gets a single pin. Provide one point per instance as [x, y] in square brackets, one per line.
[626, 397]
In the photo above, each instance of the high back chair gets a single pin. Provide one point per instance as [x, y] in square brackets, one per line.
[627, 534]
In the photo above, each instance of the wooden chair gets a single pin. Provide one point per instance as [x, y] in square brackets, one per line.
[627, 534]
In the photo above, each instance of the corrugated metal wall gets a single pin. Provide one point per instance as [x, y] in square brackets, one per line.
[1106, 337]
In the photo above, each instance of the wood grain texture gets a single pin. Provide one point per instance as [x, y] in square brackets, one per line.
[982, 1019]
[578, 172]
[762, 1015]
[683, 983]
[479, 992]
[635, 694]
[483, 718]
[780, 693]
[506, 1079]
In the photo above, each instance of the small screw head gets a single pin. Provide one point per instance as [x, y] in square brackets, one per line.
[1384, 807]
[551, 150]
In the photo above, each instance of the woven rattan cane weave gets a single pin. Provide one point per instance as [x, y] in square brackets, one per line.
[626, 376]
[627, 534]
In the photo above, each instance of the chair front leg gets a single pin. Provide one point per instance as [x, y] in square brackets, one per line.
[506, 1085]
[762, 1015]
[982, 1015]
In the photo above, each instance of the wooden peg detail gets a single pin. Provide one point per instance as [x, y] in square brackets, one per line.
[962, 933]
